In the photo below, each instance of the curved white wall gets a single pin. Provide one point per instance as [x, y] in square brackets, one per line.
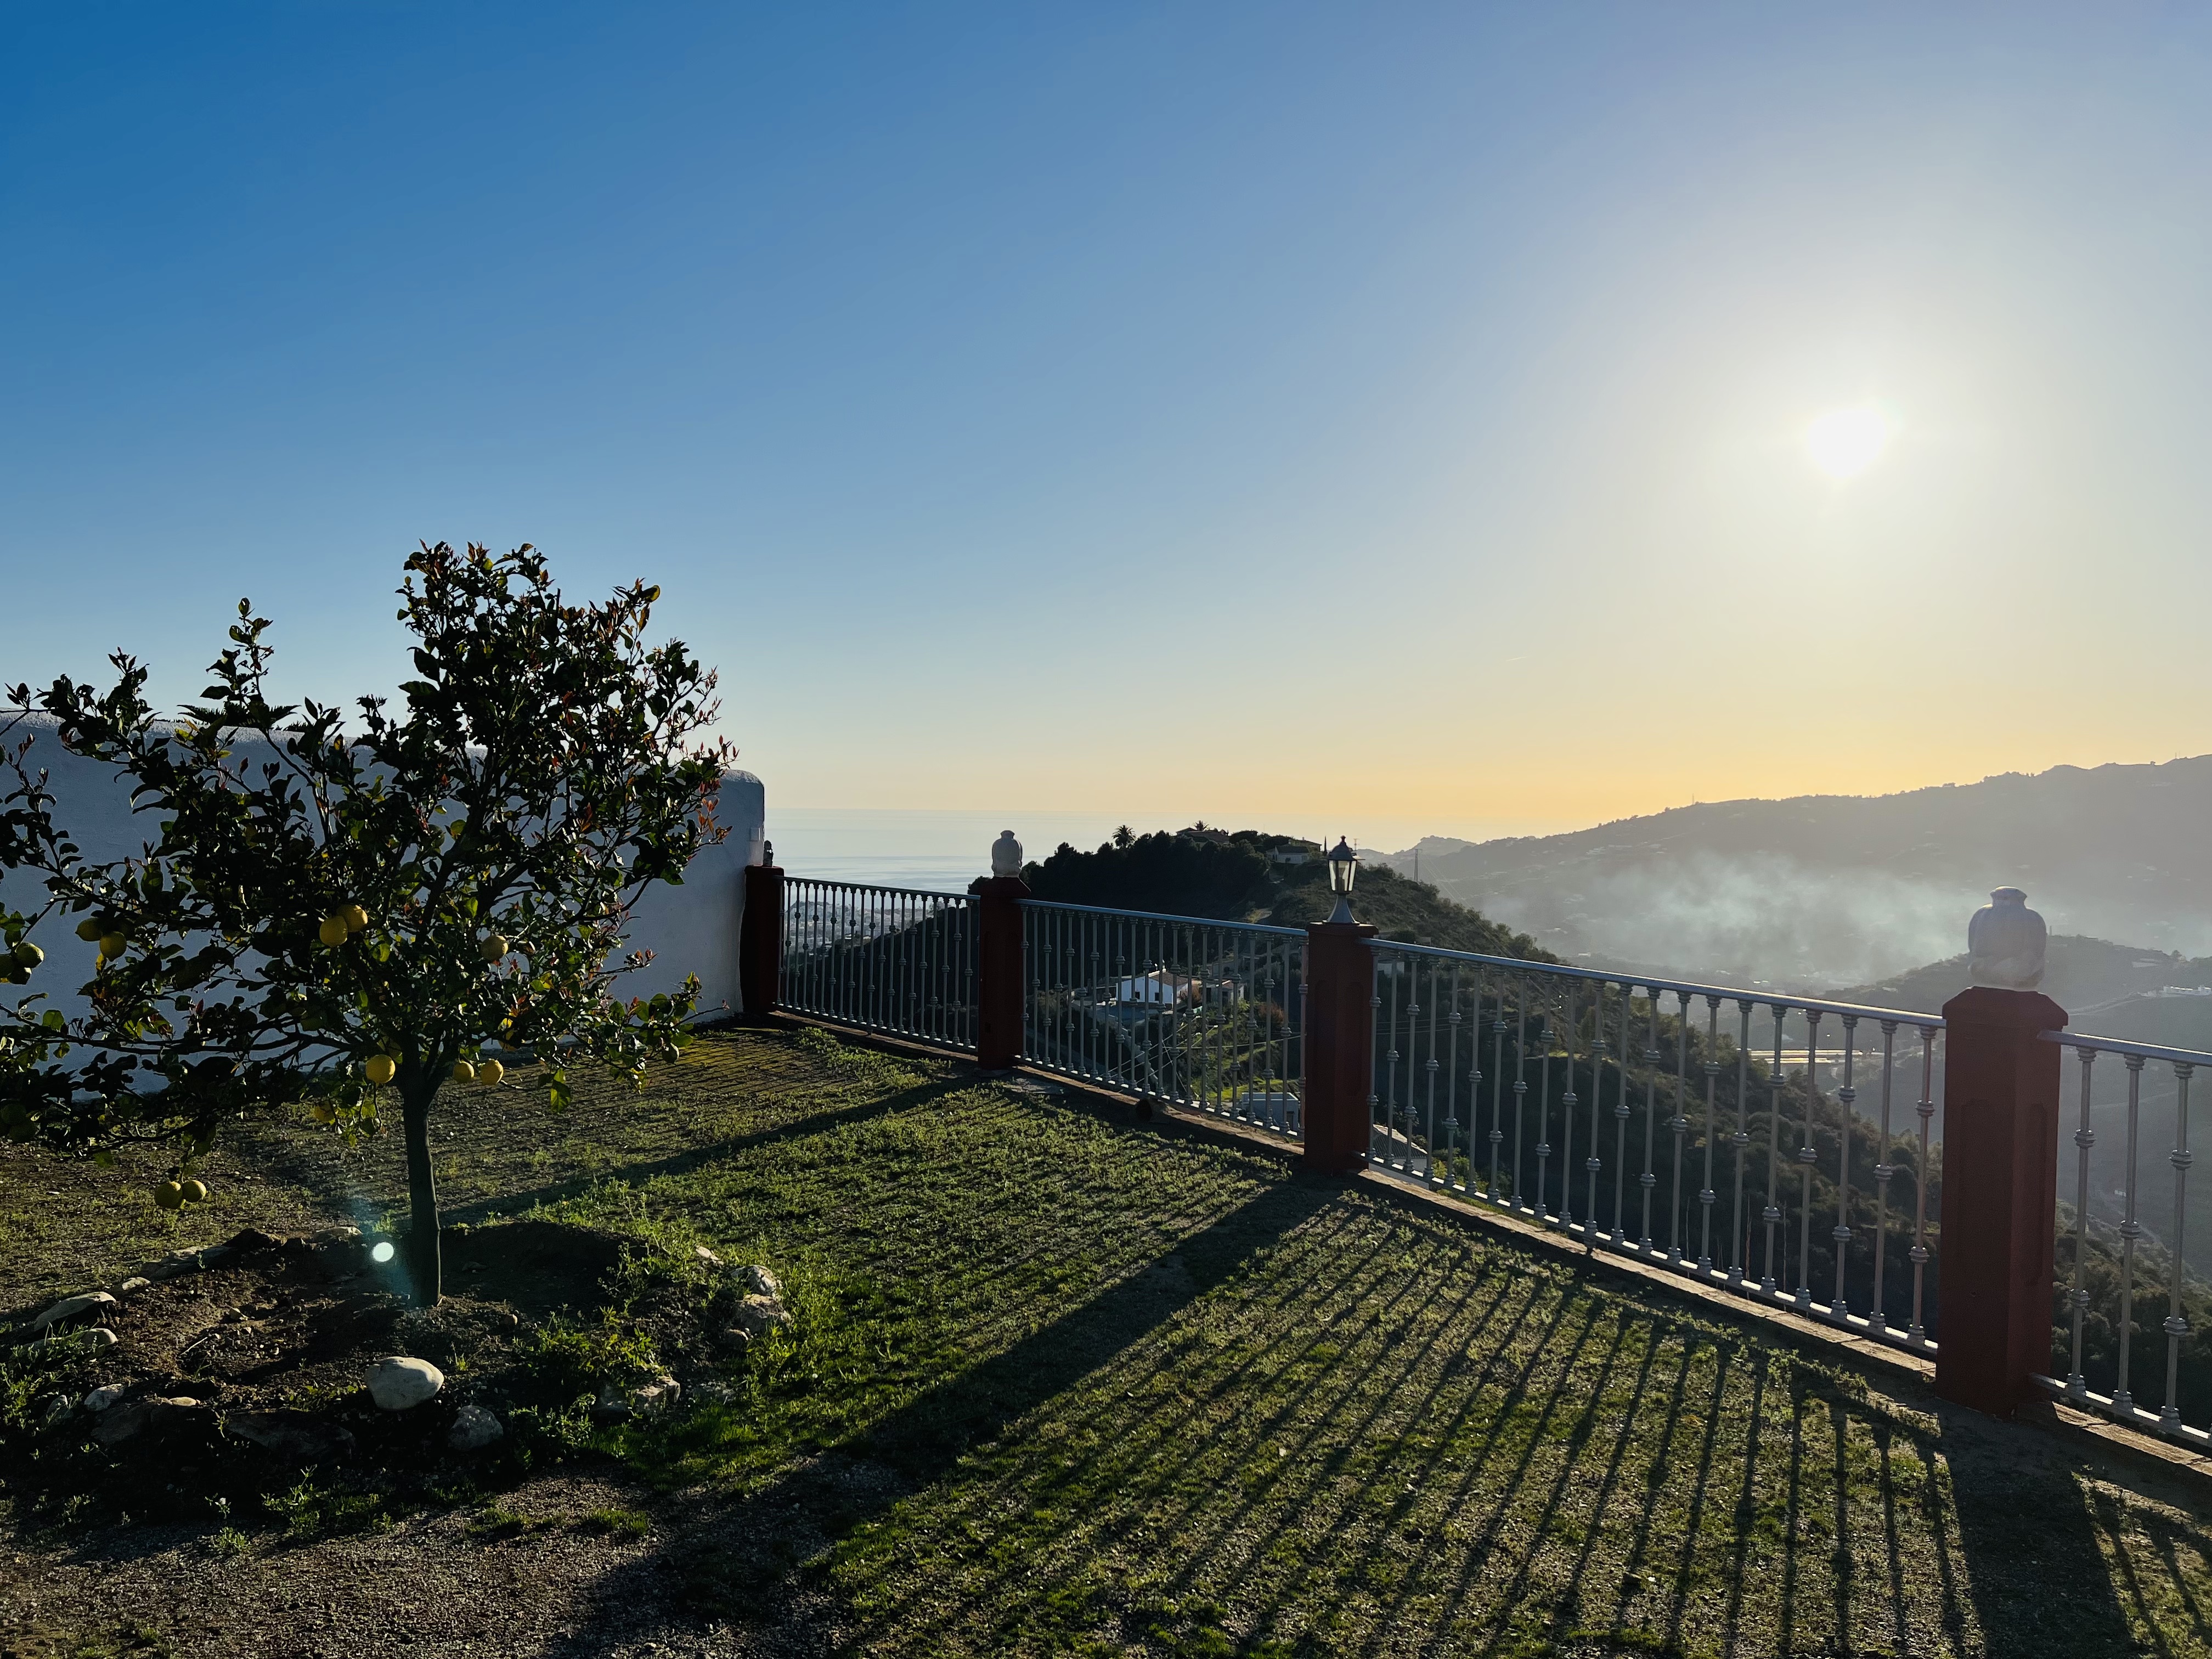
[691, 929]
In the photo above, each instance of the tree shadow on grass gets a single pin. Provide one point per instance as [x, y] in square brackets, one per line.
[336, 1186]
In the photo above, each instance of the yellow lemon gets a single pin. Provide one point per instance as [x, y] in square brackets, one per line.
[490, 1072]
[28, 955]
[355, 918]
[333, 930]
[111, 945]
[494, 947]
[464, 1072]
[90, 928]
[380, 1068]
[195, 1192]
[170, 1195]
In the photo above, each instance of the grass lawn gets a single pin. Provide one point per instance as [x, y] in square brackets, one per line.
[1062, 1382]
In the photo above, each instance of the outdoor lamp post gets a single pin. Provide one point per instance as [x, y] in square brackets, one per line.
[1343, 870]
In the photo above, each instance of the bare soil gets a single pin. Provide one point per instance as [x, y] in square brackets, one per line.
[239, 1376]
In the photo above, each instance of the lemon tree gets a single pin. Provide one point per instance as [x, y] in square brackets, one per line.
[345, 913]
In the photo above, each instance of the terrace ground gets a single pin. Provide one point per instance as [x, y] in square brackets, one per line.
[1066, 1382]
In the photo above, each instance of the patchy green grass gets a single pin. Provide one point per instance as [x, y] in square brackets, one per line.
[1062, 1383]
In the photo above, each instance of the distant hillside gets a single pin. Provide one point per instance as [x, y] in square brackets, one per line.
[1242, 876]
[2113, 990]
[1825, 889]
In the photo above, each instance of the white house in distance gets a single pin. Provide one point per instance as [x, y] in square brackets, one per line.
[1157, 990]
[691, 929]
[1161, 991]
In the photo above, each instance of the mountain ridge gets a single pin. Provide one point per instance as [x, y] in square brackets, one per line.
[1850, 889]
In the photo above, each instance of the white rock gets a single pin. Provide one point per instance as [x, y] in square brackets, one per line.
[104, 1396]
[60, 1407]
[131, 1286]
[474, 1428]
[70, 1306]
[398, 1383]
[98, 1339]
[706, 1255]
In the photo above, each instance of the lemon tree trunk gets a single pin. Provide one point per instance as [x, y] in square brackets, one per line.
[425, 1265]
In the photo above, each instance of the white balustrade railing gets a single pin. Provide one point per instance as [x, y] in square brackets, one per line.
[1204, 1015]
[2119, 1274]
[1629, 1111]
[889, 959]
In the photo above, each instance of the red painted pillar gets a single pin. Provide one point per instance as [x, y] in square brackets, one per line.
[760, 940]
[2000, 1196]
[1339, 1045]
[998, 973]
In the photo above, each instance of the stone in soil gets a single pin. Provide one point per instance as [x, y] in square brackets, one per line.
[296, 1436]
[759, 1281]
[398, 1383]
[129, 1422]
[70, 1306]
[616, 1403]
[103, 1397]
[757, 1315]
[474, 1428]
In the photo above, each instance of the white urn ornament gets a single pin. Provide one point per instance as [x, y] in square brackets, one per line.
[2005, 943]
[1006, 854]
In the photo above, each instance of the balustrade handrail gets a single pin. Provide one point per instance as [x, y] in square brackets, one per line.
[2105, 1045]
[1726, 993]
[874, 887]
[1161, 915]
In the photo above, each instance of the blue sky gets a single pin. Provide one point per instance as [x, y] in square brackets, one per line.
[1376, 413]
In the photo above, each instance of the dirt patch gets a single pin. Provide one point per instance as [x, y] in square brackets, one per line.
[237, 1386]
[568, 1564]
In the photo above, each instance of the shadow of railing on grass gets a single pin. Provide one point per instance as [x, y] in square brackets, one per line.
[1315, 1419]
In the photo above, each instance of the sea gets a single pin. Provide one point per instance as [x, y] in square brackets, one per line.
[939, 851]
[942, 851]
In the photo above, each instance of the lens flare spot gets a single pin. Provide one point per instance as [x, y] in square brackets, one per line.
[382, 1251]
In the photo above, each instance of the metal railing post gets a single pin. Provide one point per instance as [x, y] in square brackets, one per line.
[2000, 1195]
[998, 974]
[760, 940]
[1340, 1020]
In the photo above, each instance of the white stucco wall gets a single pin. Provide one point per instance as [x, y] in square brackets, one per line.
[691, 929]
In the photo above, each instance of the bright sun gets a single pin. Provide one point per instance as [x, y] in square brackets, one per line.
[1844, 442]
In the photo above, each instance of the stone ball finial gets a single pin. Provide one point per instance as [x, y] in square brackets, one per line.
[2005, 943]
[1006, 854]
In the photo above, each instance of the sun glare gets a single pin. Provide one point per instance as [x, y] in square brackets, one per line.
[1844, 442]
